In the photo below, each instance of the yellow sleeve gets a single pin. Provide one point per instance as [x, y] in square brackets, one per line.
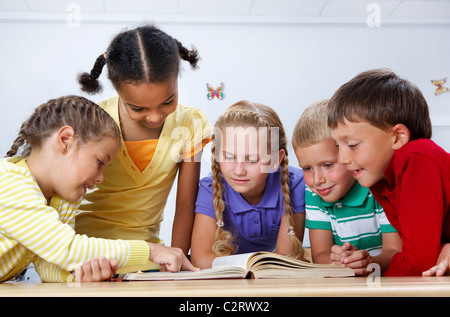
[26, 219]
[197, 133]
[49, 272]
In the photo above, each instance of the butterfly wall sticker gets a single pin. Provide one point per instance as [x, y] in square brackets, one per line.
[440, 86]
[218, 93]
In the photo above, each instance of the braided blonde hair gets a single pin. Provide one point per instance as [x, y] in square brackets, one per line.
[245, 114]
[88, 120]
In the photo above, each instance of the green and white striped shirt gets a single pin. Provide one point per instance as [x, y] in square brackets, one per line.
[357, 218]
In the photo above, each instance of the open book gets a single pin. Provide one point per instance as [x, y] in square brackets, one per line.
[249, 265]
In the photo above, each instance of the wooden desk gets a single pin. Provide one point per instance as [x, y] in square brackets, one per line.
[330, 287]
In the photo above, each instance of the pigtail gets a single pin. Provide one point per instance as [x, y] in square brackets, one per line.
[27, 135]
[223, 239]
[18, 142]
[89, 81]
[190, 56]
[145, 54]
[297, 248]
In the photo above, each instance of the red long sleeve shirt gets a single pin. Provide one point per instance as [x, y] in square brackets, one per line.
[415, 196]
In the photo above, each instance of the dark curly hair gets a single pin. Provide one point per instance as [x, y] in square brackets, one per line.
[142, 55]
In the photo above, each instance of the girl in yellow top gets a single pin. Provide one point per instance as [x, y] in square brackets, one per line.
[159, 138]
[67, 144]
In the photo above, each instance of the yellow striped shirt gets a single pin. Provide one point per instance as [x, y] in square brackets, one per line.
[32, 231]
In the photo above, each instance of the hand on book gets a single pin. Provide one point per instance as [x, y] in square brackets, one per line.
[170, 259]
[348, 255]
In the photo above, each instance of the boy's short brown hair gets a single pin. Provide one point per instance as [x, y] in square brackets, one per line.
[312, 126]
[383, 99]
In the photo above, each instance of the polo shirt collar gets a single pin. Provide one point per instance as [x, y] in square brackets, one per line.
[354, 198]
[23, 163]
[385, 185]
[237, 203]
[55, 200]
[389, 173]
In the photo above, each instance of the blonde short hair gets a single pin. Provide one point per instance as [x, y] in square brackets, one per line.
[312, 127]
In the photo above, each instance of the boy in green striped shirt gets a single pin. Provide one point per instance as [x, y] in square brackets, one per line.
[346, 225]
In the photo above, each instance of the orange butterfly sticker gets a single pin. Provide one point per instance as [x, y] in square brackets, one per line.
[218, 93]
[440, 86]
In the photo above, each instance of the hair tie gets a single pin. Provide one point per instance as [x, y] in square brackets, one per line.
[219, 223]
[290, 231]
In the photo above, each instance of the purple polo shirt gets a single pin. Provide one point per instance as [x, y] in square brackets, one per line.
[255, 227]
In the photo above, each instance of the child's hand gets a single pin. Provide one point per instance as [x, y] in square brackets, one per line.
[96, 270]
[338, 253]
[170, 259]
[439, 270]
[443, 266]
[349, 256]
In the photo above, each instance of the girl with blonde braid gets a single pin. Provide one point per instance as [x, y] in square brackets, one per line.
[252, 200]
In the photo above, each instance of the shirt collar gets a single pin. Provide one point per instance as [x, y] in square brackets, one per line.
[354, 198]
[23, 163]
[55, 200]
[385, 185]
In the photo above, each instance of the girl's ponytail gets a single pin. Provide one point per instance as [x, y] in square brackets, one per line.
[18, 142]
[89, 81]
[190, 56]
[142, 55]
[297, 248]
[223, 244]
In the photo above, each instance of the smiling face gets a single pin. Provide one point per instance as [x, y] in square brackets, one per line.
[242, 165]
[145, 107]
[322, 172]
[83, 167]
[365, 150]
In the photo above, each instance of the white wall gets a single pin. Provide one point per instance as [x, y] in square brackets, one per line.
[286, 66]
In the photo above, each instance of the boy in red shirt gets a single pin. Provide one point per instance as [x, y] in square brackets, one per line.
[382, 126]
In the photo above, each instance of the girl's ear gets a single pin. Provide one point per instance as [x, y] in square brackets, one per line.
[281, 154]
[401, 136]
[65, 137]
[274, 164]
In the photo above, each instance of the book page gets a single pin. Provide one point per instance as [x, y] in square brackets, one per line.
[232, 260]
[264, 265]
[221, 272]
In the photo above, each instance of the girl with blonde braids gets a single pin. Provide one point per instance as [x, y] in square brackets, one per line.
[64, 148]
[252, 200]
